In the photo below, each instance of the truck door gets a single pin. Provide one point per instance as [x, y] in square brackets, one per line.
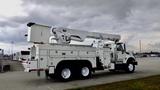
[120, 52]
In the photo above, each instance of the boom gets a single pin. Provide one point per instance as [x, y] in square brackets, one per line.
[42, 34]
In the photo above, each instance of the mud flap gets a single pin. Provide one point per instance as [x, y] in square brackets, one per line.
[51, 70]
[112, 66]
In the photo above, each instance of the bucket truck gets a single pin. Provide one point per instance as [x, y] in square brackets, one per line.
[54, 53]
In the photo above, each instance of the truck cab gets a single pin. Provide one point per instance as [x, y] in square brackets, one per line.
[122, 59]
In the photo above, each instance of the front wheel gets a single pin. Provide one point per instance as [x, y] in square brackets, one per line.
[130, 68]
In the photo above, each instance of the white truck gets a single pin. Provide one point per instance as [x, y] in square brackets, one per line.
[54, 53]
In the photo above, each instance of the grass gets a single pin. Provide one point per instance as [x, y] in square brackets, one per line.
[147, 83]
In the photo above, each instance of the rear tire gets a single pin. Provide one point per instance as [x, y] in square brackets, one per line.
[64, 73]
[85, 72]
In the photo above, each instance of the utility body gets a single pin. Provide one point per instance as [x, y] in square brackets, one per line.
[53, 52]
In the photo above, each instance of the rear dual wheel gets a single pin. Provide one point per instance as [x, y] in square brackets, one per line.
[64, 73]
[85, 71]
[69, 72]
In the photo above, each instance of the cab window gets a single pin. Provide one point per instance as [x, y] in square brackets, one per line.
[119, 47]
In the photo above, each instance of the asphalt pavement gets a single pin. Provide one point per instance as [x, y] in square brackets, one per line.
[19, 80]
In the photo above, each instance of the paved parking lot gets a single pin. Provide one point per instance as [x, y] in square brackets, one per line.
[20, 80]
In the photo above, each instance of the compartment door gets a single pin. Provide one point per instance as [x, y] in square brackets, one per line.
[43, 60]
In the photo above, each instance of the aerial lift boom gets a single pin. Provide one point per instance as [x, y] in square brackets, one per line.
[64, 35]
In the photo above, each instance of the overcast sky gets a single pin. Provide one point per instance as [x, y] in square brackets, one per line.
[134, 20]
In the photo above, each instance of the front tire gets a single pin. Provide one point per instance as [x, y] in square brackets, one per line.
[130, 68]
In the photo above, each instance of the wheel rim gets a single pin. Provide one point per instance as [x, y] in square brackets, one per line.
[66, 73]
[130, 67]
[85, 71]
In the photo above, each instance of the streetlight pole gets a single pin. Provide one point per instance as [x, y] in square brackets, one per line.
[12, 49]
[140, 47]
